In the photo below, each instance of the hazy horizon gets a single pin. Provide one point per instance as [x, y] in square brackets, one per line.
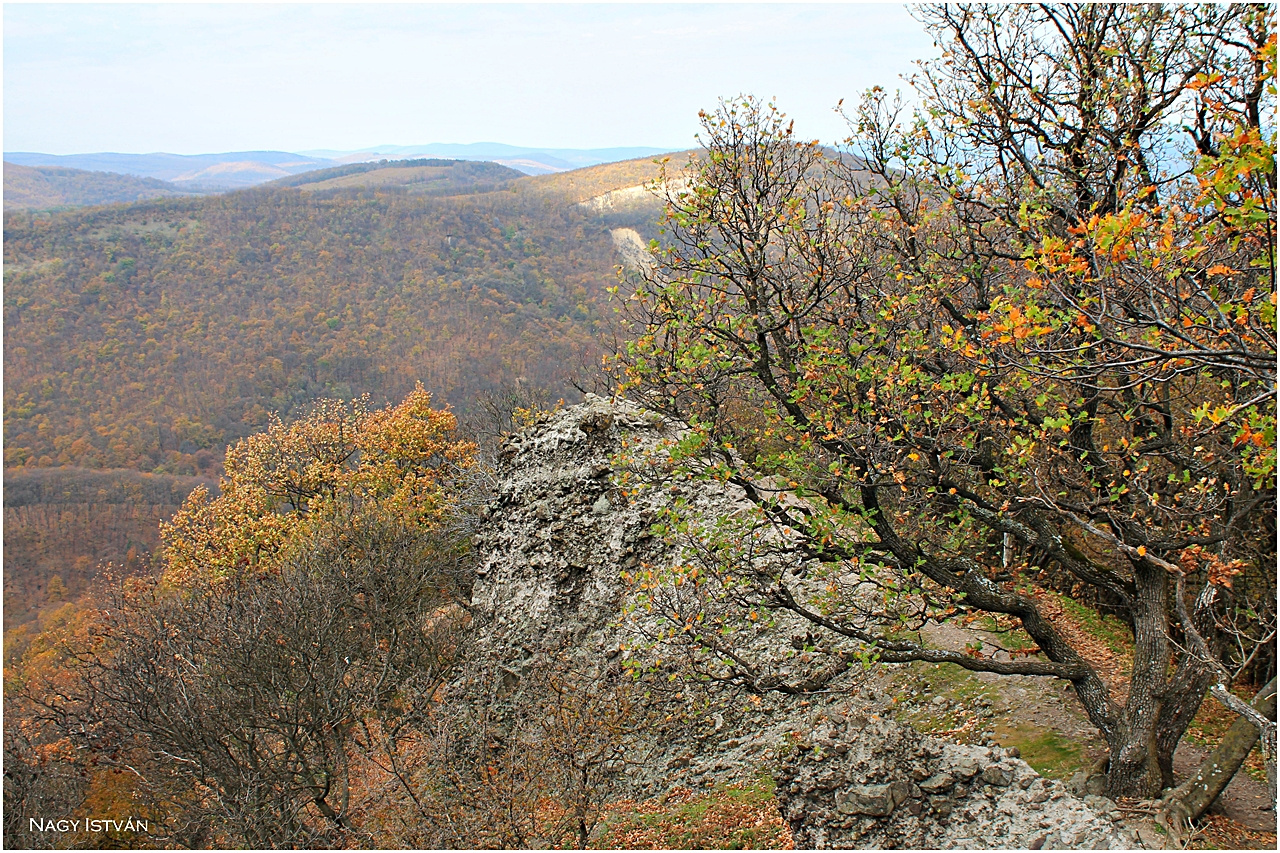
[198, 79]
[321, 153]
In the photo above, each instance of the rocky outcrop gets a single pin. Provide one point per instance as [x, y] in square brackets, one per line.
[555, 541]
[637, 196]
[631, 249]
[553, 547]
[872, 783]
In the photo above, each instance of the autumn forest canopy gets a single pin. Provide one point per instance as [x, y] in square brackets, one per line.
[146, 338]
[1011, 343]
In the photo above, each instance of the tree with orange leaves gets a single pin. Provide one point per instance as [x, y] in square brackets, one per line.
[340, 464]
[1029, 329]
[294, 608]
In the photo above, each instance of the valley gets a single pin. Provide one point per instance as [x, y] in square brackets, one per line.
[147, 337]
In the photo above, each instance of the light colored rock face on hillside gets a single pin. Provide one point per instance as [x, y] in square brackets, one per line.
[552, 551]
[625, 197]
[638, 196]
[562, 531]
[631, 249]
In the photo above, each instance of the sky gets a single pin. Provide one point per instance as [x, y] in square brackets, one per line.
[201, 78]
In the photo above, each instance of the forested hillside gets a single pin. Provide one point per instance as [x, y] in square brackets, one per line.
[147, 337]
[61, 524]
[139, 336]
[438, 177]
[48, 187]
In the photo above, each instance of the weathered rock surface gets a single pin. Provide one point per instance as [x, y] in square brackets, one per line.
[552, 549]
[560, 533]
[891, 787]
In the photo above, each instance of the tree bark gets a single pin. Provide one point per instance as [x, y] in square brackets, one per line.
[1134, 769]
[1182, 702]
[1193, 797]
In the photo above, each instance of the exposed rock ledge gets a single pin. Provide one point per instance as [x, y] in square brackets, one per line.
[554, 545]
[877, 784]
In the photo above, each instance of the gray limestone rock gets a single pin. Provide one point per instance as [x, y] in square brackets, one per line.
[938, 783]
[996, 811]
[997, 775]
[877, 800]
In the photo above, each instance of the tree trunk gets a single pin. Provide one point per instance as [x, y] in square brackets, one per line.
[1134, 769]
[1134, 766]
[1193, 797]
[1183, 700]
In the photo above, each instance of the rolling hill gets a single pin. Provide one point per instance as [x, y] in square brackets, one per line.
[580, 185]
[439, 177]
[201, 172]
[241, 169]
[529, 161]
[49, 187]
[146, 337]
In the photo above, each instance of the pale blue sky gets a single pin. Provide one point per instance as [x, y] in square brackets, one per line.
[188, 78]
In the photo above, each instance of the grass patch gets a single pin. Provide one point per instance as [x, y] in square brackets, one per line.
[1048, 753]
[954, 682]
[729, 817]
[1006, 631]
[960, 687]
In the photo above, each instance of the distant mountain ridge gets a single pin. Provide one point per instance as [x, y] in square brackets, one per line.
[226, 171]
[531, 161]
[240, 169]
